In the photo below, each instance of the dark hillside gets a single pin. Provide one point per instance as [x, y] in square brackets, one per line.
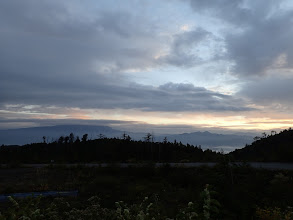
[269, 148]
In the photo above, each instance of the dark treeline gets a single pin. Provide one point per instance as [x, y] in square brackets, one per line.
[70, 149]
[73, 150]
[268, 148]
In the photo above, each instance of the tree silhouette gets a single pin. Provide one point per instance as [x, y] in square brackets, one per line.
[148, 137]
[101, 136]
[66, 139]
[61, 140]
[84, 138]
[77, 140]
[165, 140]
[71, 138]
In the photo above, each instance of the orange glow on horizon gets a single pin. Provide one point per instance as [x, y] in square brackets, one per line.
[222, 120]
[204, 120]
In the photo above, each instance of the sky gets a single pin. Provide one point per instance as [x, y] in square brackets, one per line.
[169, 65]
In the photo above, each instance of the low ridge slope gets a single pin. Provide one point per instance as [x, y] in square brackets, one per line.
[269, 148]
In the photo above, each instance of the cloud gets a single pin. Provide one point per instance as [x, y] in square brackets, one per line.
[257, 49]
[183, 48]
[275, 92]
[54, 55]
[256, 33]
[241, 13]
[53, 35]
[168, 97]
[257, 37]
[128, 126]
[225, 9]
[29, 122]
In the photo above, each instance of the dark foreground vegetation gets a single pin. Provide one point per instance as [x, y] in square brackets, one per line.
[221, 192]
[225, 191]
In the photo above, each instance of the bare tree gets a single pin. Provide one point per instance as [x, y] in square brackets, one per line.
[101, 136]
[148, 137]
[126, 137]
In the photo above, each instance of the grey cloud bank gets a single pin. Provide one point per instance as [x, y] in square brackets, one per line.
[71, 54]
[270, 91]
[168, 97]
[49, 57]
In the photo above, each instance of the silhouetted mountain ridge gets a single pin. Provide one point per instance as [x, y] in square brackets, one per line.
[52, 133]
[271, 148]
[35, 134]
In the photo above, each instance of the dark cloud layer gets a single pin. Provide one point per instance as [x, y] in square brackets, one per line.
[52, 57]
[168, 97]
[270, 91]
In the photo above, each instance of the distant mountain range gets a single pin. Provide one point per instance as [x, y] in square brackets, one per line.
[213, 141]
[34, 135]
